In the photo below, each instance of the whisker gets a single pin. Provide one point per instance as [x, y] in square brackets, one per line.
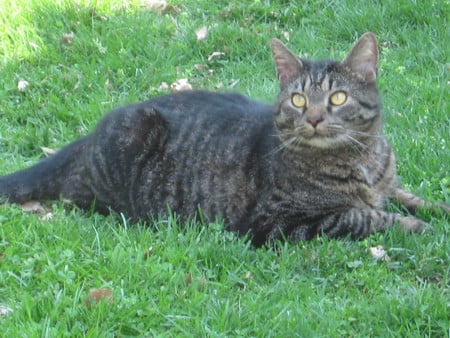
[361, 133]
[356, 142]
[283, 145]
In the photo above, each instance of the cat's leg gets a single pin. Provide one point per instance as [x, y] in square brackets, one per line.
[128, 144]
[413, 202]
[360, 223]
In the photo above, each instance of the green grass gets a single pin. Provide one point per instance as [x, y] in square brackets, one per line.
[203, 281]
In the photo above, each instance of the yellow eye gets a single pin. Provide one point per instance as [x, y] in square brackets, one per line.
[338, 98]
[298, 100]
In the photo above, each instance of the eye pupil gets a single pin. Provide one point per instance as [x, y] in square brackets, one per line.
[338, 98]
[298, 100]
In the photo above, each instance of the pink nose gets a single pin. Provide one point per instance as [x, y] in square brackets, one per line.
[314, 120]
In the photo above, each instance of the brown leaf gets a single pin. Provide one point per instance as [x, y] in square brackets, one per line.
[48, 151]
[215, 55]
[163, 87]
[201, 33]
[180, 85]
[160, 6]
[108, 84]
[96, 295]
[68, 37]
[188, 279]
[47, 216]
[378, 252]
[33, 207]
[199, 67]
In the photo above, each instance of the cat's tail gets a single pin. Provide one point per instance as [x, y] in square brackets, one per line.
[44, 180]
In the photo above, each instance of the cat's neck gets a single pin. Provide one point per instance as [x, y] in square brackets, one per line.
[311, 159]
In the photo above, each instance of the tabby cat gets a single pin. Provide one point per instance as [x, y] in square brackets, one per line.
[314, 163]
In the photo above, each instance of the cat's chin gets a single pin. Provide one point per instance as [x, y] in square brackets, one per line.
[319, 142]
[324, 142]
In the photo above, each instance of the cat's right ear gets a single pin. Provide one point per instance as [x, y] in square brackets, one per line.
[288, 64]
[363, 57]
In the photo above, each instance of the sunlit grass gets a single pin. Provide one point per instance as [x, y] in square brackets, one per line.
[176, 280]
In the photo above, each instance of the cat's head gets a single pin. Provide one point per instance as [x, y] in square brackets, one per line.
[328, 104]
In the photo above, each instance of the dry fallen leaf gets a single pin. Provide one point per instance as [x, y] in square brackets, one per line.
[33, 207]
[201, 33]
[96, 295]
[378, 252]
[163, 87]
[5, 310]
[155, 5]
[180, 85]
[215, 55]
[48, 151]
[47, 216]
[68, 37]
[159, 6]
[199, 67]
[22, 85]
[188, 279]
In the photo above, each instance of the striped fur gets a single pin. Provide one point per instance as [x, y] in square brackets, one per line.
[293, 170]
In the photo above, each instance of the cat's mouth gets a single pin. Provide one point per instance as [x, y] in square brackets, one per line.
[323, 137]
[331, 138]
[318, 134]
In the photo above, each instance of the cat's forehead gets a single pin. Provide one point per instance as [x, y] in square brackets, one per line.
[318, 68]
[320, 74]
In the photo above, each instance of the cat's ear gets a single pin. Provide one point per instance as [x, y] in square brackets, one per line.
[363, 57]
[288, 64]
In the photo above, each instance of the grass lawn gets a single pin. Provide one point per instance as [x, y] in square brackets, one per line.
[63, 64]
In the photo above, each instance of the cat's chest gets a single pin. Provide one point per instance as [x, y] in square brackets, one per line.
[349, 185]
[369, 187]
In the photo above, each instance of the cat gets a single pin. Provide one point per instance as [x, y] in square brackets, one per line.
[316, 162]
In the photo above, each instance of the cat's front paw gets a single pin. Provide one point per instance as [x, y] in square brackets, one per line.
[412, 224]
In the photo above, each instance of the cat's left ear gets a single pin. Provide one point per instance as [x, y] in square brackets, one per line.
[287, 63]
[363, 57]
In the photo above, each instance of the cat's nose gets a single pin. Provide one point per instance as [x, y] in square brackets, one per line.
[314, 120]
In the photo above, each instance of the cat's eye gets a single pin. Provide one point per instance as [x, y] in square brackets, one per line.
[338, 98]
[298, 100]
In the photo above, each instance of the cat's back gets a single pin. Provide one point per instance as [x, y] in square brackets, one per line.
[195, 116]
[204, 124]
[213, 154]
[185, 150]
[199, 105]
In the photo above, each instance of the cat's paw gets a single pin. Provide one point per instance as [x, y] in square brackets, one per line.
[413, 224]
